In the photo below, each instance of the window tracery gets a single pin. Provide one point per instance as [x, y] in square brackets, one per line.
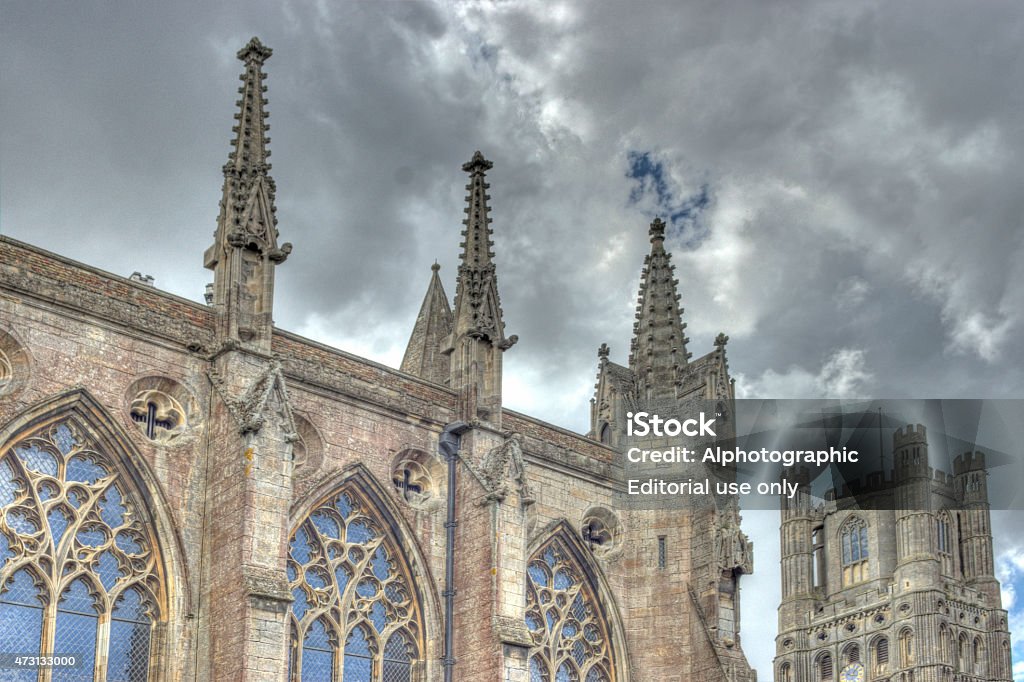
[906, 648]
[417, 478]
[601, 531]
[944, 542]
[79, 571]
[570, 635]
[158, 415]
[854, 538]
[355, 616]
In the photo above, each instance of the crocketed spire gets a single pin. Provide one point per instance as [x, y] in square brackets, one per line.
[247, 223]
[477, 305]
[658, 350]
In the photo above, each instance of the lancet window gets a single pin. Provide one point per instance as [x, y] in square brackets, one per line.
[355, 615]
[854, 538]
[79, 570]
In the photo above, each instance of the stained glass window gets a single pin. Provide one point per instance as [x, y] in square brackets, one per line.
[354, 616]
[74, 552]
[569, 632]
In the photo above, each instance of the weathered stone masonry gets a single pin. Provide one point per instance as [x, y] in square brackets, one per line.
[232, 436]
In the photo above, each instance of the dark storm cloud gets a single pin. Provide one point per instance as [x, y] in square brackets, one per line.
[853, 173]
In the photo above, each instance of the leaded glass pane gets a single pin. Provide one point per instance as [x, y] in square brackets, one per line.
[566, 673]
[358, 657]
[570, 640]
[21, 621]
[344, 564]
[397, 659]
[83, 525]
[38, 460]
[128, 658]
[9, 486]
[317, 654]
[76, 632]
[537, 670]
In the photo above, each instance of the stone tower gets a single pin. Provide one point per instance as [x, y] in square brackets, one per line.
[898, 587]
[698, 552]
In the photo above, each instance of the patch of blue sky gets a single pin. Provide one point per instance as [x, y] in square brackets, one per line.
[1010, 570]
[657, 194]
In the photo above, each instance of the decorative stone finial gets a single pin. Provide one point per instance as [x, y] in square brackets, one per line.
[721, 340]
[478, 164]
[435, 267]
[657, 230]
[255, 51]
[602, 352]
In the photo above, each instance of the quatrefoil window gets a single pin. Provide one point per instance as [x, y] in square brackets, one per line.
[158, 415]
[416, 476]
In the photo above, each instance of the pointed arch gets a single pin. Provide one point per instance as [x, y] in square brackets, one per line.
[82, 512]
[356, 572]
[853, 539]
[571, 612]
[945, 531]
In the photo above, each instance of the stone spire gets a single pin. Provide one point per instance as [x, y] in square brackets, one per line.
[478, 338]
[658, 350]
[477, 305]
[245, 249]
[423, 356]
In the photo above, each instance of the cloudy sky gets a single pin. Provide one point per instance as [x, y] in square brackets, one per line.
[842, 180]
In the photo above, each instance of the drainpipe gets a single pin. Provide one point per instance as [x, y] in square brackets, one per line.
[448, 445]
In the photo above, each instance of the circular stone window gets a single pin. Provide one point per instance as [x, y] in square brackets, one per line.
[416, 477]
[601, 531]
[161, 408]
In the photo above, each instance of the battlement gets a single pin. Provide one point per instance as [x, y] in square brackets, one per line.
[879, 482]
[911, 434]
[969, 461]
[942, 478]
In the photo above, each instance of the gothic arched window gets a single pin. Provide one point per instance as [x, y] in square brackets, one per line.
[944, 542]
[818, 565]
[906, 648]
[979, 656]
[355, 615]
[854, 538]
[825, 667]
[570, 633]
[785, 673]
[879, 657]
[79, 568]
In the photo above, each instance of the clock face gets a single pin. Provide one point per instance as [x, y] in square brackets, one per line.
[852, 673]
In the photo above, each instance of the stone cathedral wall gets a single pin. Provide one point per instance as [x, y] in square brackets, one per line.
[81, 328]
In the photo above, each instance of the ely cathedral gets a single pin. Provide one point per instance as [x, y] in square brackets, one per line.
[189, 493]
